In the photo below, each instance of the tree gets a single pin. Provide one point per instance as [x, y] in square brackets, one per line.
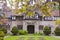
[57, 22]
[4, 30]
[1, 22]
[2, 35]
[23, 32]
[47, 30]
[14, 30]
[59, 4]
[57, 31]
[44, 7]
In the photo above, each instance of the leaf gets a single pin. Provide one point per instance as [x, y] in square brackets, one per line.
[1, 22]
[11, 2]
[30, 13]
[57, 22]
[45, 9]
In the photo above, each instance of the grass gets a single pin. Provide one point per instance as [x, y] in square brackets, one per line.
[27, 37]
[12, 38]
[50, 38]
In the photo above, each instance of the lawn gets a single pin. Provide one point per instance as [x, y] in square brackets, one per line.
[30, 38]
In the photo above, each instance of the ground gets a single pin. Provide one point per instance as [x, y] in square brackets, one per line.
[25, 37]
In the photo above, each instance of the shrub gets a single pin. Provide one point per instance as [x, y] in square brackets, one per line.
[35, 33]
[14, 30]
[57, 31]
[4, 30]
[47, 30]
[2, 35]
[23, 32]
[38, 33]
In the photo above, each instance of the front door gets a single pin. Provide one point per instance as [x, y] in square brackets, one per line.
[30, 29]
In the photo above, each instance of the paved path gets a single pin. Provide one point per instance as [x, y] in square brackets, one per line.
[57, 37]
[5, 36]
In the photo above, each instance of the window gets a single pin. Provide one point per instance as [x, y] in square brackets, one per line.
[40, 17]
[40, 27]
[36, 15]
[56, 17]
[47, 18]
[20, 27]
[14, 18]
[19, 17]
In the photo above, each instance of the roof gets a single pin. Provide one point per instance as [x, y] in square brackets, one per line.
[55, 13]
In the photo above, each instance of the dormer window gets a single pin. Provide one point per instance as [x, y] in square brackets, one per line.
[19, 17]
[14, 18]
[36, 16]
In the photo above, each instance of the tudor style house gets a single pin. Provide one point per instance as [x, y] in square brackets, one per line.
[30, 24]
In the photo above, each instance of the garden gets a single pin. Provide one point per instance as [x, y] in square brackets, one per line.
[23, 35]
[28, 37]
[26, 7]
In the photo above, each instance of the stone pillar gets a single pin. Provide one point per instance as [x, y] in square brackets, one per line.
[13, 23]
[24, 25]
[53, 29]
[36, 27]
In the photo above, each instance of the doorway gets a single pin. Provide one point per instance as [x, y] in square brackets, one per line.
[30, 29]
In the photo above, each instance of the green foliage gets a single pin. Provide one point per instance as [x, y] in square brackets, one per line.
[30, 13]
[48, 7]
[45, 9]
[57, 31]
[11, 2]
[2, 35]
[23, 32]
[57, 22]
[1, 22]
[4, 30]
[1, 38]
[38, 33]
[14, 30]
[47, 30]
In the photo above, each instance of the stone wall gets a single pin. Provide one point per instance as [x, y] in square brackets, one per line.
[36, 23]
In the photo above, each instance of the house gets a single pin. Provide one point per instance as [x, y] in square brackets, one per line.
[31, 24]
